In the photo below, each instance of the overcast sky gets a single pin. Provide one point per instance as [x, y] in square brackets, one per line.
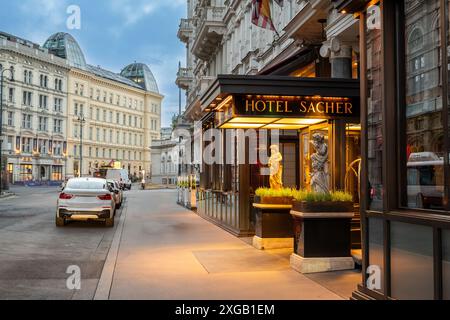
[113, 34]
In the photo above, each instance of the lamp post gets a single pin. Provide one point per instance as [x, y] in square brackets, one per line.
[82, 120]
[2, 76]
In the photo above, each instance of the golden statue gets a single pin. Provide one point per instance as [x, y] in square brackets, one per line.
[276, 169]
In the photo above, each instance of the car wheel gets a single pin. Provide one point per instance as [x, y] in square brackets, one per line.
[109, 222]
[60, 222]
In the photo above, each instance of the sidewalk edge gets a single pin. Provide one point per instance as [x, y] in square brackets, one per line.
[106, 279]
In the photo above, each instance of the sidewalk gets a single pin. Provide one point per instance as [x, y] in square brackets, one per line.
[167, 252]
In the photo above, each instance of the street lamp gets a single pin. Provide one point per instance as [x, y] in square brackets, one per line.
[82, 120]
[2, 76]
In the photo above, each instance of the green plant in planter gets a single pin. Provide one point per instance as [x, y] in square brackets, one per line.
[311, 196]
[275, 193]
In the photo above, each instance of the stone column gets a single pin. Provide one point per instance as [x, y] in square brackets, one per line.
[340, 55]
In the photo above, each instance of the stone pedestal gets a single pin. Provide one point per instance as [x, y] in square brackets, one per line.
[315, 265]
[322, 241]
[273, 226]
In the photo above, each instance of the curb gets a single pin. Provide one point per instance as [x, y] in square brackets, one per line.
[106, 279]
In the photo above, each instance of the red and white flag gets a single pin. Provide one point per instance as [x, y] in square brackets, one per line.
[261, 15]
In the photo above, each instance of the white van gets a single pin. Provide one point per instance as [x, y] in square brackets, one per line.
[121, 176]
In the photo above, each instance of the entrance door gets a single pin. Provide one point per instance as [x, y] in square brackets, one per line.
[289, 152]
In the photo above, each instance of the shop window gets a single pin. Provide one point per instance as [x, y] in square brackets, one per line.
[446, 263]
[423, 108]
[411, 262]
[26, 172]
[376, 255]
[374, 112]
[57, 173]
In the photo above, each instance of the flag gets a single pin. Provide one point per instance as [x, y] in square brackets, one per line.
[261, 15]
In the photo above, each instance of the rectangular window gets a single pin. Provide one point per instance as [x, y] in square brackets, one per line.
[43, 123]
[57, 126]
[27, 121]
[11, 95]
[43, 101]
[27, 98]
[411, 261]
[10, 120]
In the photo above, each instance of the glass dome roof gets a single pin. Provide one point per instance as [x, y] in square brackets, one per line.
[63, 45]
[141, 74]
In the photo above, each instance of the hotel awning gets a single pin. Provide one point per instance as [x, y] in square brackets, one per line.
[280, 102]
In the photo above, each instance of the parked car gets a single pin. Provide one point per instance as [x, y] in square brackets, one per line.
[121, 176]
[85, 199]
[116, 192]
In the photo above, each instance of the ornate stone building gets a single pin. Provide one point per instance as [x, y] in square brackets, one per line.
[34, 112]
[111, 117]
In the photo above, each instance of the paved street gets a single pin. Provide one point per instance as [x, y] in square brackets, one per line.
[34, 254]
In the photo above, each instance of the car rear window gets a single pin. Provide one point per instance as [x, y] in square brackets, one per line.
[86, 185]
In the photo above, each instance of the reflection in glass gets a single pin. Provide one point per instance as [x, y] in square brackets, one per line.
[424, 130]
[411, 262]
[374, 111]
[376, 247]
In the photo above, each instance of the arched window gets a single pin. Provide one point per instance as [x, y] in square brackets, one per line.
[415, 40]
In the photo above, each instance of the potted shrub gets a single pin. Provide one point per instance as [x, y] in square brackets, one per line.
[274, 196]
[310, 201]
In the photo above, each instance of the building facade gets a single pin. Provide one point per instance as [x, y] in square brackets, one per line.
[312, 40]
[34, 112]
[165, 153]
[396, 52]
[111, 117]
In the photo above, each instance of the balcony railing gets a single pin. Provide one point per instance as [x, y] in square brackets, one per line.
[185, 30]
[184, 78]
[209, 32]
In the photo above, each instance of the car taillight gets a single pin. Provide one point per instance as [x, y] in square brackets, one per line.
[65, 196]
[105, 197]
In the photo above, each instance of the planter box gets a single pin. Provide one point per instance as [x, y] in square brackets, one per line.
[273, 226]
[322, 241]
[274, 200]
[324, 206]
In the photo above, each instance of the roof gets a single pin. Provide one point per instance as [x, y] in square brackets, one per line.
[106, 74]
[65, 46]
[141, 74]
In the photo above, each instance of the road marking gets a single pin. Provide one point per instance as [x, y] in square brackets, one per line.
[107, 276]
